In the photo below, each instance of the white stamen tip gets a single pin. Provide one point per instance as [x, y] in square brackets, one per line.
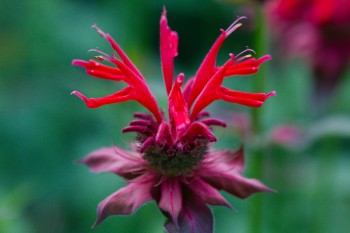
[233, 27]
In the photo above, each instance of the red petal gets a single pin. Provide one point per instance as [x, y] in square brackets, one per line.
[202, 114]
[99, 70]
[120, 52]
[164, 136]
[91, 64]
[140, 122]
[168, 50]
[247, 67]
[187, 89]
[213, 121]
[149, 141]
[120, 96]
[206, 69]
[178, 111]
[141, 115]
[197, 129]
[142, 93]
[105, 75]
[208, 94]
[137, 129]
[245, 98]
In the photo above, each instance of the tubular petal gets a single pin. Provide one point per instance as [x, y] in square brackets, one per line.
[206, 70]
[78, 62]
[140, 122]
[245, 98]
[208, 67]
[241, 71]
[168, 50]
[198, 129]
[213, 121]
[105, 75]
[127, 72]
[137, 129]
[247, 67]
[143, 95]
[164, 135]
[149, 141]
[208, 93]
[91, 64]
[202, 114]
[120, 96]
[120, 52]
[99, 70]
[178, 111]
[187, 89]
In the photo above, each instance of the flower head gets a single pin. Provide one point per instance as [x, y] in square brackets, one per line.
[318, 30]
[172, 162]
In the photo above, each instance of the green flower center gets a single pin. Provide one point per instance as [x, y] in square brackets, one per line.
[178, 159]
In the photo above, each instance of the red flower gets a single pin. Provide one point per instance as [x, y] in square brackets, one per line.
[172, 163]
[319, 30]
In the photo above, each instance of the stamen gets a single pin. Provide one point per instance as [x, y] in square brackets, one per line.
[102, 33]
[104, 57]
[245, 51]
[161, 180]
[100, 58]
[272, 93]
[244, 57]
[234, 25]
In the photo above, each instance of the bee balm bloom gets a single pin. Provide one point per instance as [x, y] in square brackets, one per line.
[172, 163]
[318, 30]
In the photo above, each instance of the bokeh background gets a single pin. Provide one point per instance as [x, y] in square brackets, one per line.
[43, 129]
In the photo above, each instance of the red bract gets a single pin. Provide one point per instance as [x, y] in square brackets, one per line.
[172, 162]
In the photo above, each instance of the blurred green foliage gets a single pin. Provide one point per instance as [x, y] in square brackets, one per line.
[43, 129]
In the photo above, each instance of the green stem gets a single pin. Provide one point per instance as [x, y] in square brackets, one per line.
[327, 152]
[256, 163]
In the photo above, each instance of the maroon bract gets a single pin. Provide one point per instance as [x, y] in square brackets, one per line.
[172, 162]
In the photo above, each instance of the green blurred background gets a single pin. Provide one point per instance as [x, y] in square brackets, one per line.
[43, 129]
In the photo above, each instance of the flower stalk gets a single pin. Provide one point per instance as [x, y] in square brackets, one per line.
[256, 158]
